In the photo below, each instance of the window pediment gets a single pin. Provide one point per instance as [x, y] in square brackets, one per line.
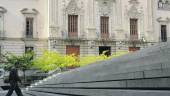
[166, 20]
[72, 8]
[2, 10]
[29, 11]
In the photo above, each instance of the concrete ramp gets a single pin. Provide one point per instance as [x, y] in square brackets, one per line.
[143, 73]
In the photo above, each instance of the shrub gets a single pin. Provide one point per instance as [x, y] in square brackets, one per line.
[51, 60]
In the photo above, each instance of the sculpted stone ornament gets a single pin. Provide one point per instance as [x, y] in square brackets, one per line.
[105, 7]
[72, 8]
[164, 5]
[133, 12]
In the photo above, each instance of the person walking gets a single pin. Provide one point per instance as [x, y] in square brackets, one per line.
[13, 80]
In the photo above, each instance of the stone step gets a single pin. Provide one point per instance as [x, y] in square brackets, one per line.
[147, 68]
[34, 93]
[3, 93]
[102, 92]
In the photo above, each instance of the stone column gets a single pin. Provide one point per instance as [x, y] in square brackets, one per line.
[91, 19]
[119, 13]
[149, 7]
[150, 19]
[53, 18]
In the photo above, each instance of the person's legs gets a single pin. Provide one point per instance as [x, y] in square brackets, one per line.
[18, 91]
[10, 91]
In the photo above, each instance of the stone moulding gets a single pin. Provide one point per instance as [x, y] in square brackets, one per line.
[29, 11]
[2, 10]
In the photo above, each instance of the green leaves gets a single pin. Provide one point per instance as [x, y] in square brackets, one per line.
[25, 61]
[51, 60]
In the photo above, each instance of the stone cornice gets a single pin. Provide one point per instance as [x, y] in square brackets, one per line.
[23, 39]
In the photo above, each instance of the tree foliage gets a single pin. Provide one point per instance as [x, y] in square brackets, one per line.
[24, 61]
[51, 60]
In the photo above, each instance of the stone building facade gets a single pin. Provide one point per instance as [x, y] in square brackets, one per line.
[82, 27]
[23, 26]
[107, 25]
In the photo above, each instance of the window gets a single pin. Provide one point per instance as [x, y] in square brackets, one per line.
[28, 49]
[106, 50]
[164, 4]
[133, 29]
[104, 26]
[163, 33]
[73, 25]
[29, 27]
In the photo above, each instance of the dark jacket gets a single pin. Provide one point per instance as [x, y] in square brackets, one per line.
[13, 76]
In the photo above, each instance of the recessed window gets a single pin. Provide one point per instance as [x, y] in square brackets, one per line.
[163, 33]
[104, 26]
[133, 29]
[29, 27]
[73, 25]
[29, 49]
[106, 50]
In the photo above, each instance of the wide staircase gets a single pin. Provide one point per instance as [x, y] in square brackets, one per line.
[143, 73]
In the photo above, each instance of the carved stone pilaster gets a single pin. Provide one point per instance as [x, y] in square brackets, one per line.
[2, 11]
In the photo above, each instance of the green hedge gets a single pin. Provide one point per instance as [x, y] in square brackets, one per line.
[51, 60]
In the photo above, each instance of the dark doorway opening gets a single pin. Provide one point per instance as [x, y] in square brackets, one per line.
[105, 49]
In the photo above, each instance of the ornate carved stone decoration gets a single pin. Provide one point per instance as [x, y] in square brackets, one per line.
[72, 8]
[2, 10]
[164, 4]
[134, 12]
[105, 7]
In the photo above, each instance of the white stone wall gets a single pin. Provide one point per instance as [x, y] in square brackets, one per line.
[51, 21]
[14, 25]
[89, 11]
[160, 17]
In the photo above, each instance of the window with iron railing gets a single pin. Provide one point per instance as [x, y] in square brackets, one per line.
[163, 33]
[104, 27]
[29, 27]
[133, 29]
[164, 5]
[73, 26]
